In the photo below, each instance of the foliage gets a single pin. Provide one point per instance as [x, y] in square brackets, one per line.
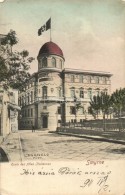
[108, 104]
[100, 103]
[10, 39]
[118, 101]
[14, 66]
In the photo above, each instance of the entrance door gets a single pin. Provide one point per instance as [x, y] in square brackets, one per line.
[45, 121]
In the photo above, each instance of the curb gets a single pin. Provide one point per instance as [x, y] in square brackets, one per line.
[92, 137]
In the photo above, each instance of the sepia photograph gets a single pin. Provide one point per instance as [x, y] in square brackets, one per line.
[62, 97]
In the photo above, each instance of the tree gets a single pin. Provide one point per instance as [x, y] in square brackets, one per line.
[14, 65]
[100, 103]
[118, 101]
[78, 105]
[95, 106]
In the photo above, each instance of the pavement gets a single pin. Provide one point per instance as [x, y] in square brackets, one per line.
[105, 136]
[42, 145]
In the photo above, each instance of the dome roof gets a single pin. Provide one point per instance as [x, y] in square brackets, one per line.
[50, 48]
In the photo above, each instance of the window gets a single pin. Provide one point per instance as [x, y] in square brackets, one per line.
[81, 93]
[81, 120]
[59, 92]
[59, 110]
[18, 101]
[53, 62]
[89, 79]
[28, 98]
[105, 91]
[81, 110]
[90, 93]
[72, 91]
[31, 96]
[72, 78]
[97, 92]
[25, 113]
[44, 107]
[31, 112]
[72, 110]
[60, 64]
[44, 92]
[22, 101]
[28, 112]
[97, 80]
[81, 78]
[104, 80]
[44, 62]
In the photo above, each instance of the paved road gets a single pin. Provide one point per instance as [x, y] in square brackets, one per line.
[46, 146]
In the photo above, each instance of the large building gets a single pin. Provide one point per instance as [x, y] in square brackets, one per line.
[50, 96]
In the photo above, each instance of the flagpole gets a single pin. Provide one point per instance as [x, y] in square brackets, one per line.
[50, 35]
[50, 31]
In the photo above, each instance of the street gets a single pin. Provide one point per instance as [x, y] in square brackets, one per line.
[51, 146]
[26, 145]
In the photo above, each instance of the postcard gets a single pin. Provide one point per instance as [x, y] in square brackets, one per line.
[62, 97]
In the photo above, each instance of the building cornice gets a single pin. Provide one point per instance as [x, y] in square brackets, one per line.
[90, 72]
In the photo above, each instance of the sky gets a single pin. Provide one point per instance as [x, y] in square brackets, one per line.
[91, 33]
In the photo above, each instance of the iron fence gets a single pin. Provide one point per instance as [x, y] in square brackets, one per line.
[101, 125]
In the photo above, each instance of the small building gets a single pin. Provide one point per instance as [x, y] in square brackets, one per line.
[50, 96]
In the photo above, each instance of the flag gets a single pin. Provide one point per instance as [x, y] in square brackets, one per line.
[45, 27]
[48, 24]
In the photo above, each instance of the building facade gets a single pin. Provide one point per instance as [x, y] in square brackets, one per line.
[8, 100]
[51, 95]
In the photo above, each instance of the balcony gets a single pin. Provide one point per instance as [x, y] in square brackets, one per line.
[49, 99]
[77, 99]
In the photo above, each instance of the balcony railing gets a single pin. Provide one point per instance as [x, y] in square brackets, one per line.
[77, 99]
[49, 98]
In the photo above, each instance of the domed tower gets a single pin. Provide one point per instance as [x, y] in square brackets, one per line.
[50, 57]
[50, 85]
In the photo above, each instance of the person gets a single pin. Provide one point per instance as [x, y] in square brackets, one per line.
[33, 128]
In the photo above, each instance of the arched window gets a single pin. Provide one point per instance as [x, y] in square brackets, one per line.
[44, 62]
[81, 94]
[53, 62]
[60, 64]
[44, 92]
